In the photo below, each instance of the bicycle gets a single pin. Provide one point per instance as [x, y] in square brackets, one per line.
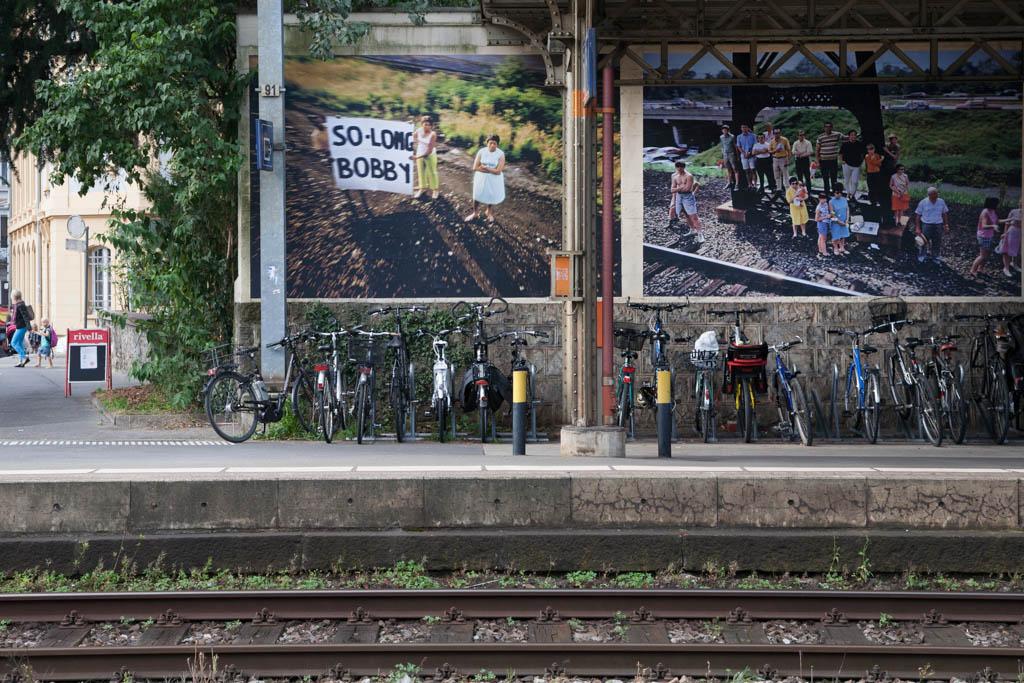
[912, 394]
[519, 362]
[794, 415]
[989, 380]
[746, 362]
[330, 394]
[401, 389]
[940, 368]
[630, 342]
[237, 401]
[660, 337]
[867, 402]
[484, 387]
[443, 372]
[365, 350]
[704, 358]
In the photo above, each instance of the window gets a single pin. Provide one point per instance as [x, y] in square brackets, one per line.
[99, 274]
[5, 172]
[3, 232]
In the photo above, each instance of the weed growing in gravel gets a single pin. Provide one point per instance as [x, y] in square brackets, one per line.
[863, 572]
[580, 579]
[633, 580]
[575, 624]
[485, 676]
[885, 620]
[407, 670]
[232, 625]
[407, 574]
[431, 619]
[913, 582]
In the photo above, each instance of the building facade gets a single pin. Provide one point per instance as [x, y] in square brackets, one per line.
[5, 215]
[61, 281]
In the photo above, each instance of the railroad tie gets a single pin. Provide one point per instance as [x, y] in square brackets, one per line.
[71, 631]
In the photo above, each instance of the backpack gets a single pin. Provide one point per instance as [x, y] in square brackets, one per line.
[53, 338]
[29, 313]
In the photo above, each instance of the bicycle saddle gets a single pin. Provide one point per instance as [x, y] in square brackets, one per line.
[865, 350]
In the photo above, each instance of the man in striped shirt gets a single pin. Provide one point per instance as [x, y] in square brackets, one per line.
[827, 156]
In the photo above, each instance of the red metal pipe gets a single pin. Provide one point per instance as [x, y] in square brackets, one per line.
[607, 243]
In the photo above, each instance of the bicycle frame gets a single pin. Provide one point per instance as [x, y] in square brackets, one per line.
[855, 372]
[784, 374]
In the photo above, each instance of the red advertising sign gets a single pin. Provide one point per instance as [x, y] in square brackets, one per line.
[88, 336]
[88, 358]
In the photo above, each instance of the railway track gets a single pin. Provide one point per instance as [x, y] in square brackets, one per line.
[641, 621]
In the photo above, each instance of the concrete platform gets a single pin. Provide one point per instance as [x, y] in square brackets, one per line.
[262, 505]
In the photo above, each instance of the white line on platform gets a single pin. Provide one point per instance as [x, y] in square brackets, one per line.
[674, 468]
[159, 470]
[16, 473]
[420, 468]
[548, 468]
[346, 468]
[808, 469]
[940, 470]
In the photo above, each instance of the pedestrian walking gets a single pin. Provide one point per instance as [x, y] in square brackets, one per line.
[47, 340]
[745, 142]
[823, 218]
[932, 221]
[796, 197]
[852, 152]
[988, 223]
[684, 200]
[781, 153]
[826, 153]
[802, 152]
[899, 183]
[873, 173]
[22, 320]
[488, 179]
[1009, 245]
[424, 140]
[840, 229]
[730, 160]
[763, 163]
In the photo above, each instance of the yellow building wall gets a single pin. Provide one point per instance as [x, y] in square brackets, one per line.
[50, 276]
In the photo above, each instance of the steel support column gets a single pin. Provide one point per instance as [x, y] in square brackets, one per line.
[607, 243]
[273, 286]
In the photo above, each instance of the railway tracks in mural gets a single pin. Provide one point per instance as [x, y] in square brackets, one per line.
[446, 633]
[714, 277]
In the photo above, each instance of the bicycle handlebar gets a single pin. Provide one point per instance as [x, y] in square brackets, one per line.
[396, 309]
[741, 311]
[664, 308]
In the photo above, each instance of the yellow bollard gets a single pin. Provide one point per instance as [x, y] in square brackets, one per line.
[520, 380]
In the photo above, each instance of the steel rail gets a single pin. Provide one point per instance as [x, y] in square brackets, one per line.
[515, 603]
[609, 659]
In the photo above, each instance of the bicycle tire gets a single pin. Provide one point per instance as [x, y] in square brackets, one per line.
[929, 411]
[747, 406]
[231, 390]
[872, 408]
[622, 407]
[398, 401]
[820, 420]
[957, 409]
[303, 398]
[999, 399]
[903, 394]
[361, 411]
[327, 408]
[483, 415]
[441, 415]
[708, 417]
[835, 414]
[801, 414]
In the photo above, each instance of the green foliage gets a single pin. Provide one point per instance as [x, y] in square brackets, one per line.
[579, 579]
[161, 80]
[407, 574]
[633, 580]
[288, 428]
[406, 670]
[885, 620]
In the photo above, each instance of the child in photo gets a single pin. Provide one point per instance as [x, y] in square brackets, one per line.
[796, 197]
[823, 218]
[840, 208]
[47, 340]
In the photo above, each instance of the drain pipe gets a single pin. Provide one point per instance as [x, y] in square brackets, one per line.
[39, 237]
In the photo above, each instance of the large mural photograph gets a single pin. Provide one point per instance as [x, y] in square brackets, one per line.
[421, 176]
[888, 189]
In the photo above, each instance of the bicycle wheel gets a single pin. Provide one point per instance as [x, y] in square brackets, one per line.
[902, 393]
[872, 407]
[835, 412]
[708, 426]
[956, 407]
[747, 408]
[398, 401]
[820, 421]
[801, 414]
[231, 407]
[441, 415]
[303, 402]
[362, 401]
[999, 401]
[484, 413]
[929, 410]
[326, 399]
[622, 406]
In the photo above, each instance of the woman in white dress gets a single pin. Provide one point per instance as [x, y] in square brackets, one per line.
[488, 179]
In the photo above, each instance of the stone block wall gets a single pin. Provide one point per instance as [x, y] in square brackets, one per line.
[128, 343]
[782, 320]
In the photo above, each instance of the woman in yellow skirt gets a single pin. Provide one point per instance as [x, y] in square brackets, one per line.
[796, 197]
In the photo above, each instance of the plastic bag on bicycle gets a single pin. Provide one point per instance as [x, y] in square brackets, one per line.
[746, 360]
[498, 389]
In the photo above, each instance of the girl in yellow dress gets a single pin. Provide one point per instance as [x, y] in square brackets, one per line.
[796, 197]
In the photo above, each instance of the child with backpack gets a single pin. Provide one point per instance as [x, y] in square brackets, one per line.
[47, 340]
[33, 339]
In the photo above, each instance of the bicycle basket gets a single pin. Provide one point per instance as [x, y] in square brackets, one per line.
[888, 309]
[704, 359]
[229, 354]
[632, 340]
[360, 347]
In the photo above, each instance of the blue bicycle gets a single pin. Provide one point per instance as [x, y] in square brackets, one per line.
[790, 400]
[862, 396]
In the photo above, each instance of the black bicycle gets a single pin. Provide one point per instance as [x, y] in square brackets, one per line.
[989, 379]
[236, 399]
[484, 387]
[660, 337]
[366, 352]
[331, 391]
[401, 389]
[947, 375]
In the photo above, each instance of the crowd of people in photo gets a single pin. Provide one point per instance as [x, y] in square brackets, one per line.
[770, 162]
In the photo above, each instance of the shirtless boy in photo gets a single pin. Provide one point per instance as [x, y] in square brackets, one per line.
[683, 191]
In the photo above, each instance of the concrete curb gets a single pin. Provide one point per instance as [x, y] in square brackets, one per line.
[140, 421]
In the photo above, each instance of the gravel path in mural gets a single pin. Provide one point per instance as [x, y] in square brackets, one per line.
[772, 248]
[374, 244]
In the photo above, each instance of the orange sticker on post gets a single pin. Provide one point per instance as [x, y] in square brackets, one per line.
[563, 275]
